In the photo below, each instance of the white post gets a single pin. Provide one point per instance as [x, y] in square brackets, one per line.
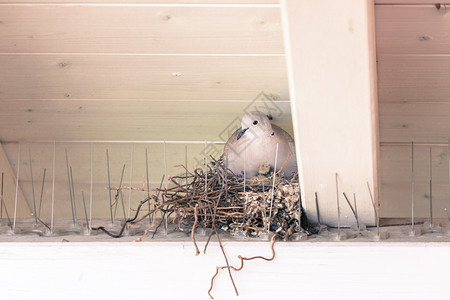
[330, 48]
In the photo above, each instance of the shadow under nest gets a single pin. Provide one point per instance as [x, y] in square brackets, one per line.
[224, 202]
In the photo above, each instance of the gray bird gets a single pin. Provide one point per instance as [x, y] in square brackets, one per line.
[255, 144]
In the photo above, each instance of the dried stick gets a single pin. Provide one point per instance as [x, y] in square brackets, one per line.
[139, 239]
[197, 252]
[180, 218]
[284, 164]
[131, 221]
[182, 166]
[213, 226]
[213, 223]
[228, 265]
[242, 264]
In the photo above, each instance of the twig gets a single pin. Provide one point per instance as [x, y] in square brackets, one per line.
[131, 221]
[139, 239]
[228, 264]
[197, 252]
[242, 264]
[284, 164]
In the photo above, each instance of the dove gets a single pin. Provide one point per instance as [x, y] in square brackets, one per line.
[255, 144]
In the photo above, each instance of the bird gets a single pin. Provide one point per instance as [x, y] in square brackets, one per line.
[255, 144]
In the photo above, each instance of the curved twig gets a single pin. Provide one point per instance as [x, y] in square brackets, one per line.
[272, 243]
[197, 252]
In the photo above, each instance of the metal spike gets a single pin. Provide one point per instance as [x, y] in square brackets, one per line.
[150, 217]
[356, 212]
[119, 190]
[85, 212]
[186, 164]
[53, 187]
[32, 188]
[1, 205]
[42, 192]
[70, 187]
[273, 188]
[131, 180]
[73, 194]
[17, 189]
[352, 209]
[4, 204]
[412, 187]
[109, 188]
[375, 209]
[91, 192]
[431, 190]
[317, 209]
[338, 206]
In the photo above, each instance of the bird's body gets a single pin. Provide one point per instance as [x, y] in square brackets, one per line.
[255, 143]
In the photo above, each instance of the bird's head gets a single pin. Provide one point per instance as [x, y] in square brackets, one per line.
[257, 123]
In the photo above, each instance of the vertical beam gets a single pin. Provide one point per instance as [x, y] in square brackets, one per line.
[330, 47]
[23, 209]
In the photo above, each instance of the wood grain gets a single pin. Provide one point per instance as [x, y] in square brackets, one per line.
[418, 122]
[413, 78]
[412, 30]
[396, 164]
[396, 176]
[406, 2]
[128, 120]
[155, 2]
[128, 29]
[396, 200]
[141, 77]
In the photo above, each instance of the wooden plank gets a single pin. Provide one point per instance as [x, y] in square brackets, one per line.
[413, 78]
[333, 95]
[155, 2]
[412, 30]
[141, 77]
[395, 197]
[418, 122]
[395, 200]
[128, 120]
[406, 2]
[9, 190]
[395, 166]
[122, 29]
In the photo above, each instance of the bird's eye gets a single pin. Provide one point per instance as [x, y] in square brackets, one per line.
[255, 122]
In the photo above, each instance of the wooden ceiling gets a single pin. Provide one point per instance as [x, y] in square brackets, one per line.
[150, 70]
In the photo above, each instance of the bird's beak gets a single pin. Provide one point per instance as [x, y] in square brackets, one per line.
[241, 133]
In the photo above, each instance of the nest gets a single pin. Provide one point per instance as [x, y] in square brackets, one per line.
[220, 200]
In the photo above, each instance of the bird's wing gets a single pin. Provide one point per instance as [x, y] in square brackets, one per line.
[227, 151]
[285, 136]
